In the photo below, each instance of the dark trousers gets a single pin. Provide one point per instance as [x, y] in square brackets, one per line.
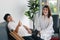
[28, 38]
[32, 38]
[36, 38]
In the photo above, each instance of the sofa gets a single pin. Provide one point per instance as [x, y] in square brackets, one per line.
[3, 32]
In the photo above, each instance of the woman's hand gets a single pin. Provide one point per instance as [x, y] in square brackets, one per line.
[39, 34]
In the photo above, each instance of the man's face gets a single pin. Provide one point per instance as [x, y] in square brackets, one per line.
[9, 18]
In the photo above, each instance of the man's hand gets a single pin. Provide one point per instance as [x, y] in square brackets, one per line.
[28, 29]
[19, 23]
[17, 28]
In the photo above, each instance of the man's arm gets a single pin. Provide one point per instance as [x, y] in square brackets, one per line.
[17, 28]
[28, 29]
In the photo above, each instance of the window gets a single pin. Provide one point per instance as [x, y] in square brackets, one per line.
[53, 6]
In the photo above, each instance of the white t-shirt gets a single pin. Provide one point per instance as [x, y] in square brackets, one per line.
[22, 31]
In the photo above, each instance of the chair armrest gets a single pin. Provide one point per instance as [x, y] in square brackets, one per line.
[16, 36]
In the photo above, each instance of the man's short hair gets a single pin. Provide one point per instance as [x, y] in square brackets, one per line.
[5, 17]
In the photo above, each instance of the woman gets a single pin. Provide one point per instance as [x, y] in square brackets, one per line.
[46, 23]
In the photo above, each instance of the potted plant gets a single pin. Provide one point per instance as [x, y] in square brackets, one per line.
[33, 8]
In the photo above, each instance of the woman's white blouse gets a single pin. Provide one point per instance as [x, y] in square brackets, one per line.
[45, 26]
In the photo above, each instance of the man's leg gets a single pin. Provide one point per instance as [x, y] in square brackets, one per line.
[36, 38]
[28, 38]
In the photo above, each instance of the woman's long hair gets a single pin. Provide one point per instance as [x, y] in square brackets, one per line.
[49, 11]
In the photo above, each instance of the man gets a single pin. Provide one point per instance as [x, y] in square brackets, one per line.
[19, 28]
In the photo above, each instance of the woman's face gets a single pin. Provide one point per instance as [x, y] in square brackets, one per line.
[45, 11]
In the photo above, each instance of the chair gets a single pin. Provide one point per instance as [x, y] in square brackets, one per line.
[16, 36]
[55, 27]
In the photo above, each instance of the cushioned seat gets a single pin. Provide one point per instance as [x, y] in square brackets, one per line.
[56, 23]
[3, 32]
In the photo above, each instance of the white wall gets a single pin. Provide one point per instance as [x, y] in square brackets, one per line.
[16, 8]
